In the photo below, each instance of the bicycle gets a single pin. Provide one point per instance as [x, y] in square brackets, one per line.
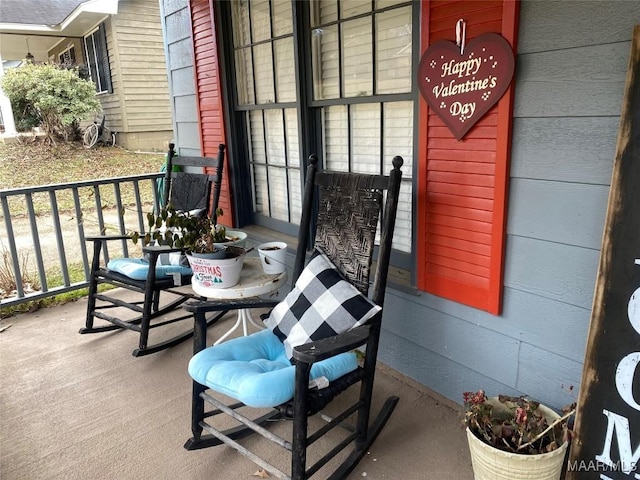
[97, 133]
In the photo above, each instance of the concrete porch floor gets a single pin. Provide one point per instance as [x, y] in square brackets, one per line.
[80, 406]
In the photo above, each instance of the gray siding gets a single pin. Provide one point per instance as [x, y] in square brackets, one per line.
[179, 54]
[569, 84]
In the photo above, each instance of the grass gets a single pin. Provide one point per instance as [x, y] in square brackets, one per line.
[33, 164]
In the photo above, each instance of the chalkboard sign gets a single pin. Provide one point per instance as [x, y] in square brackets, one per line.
[607, 441]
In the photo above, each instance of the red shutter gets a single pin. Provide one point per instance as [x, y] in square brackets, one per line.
[462, 185]
[209, 92]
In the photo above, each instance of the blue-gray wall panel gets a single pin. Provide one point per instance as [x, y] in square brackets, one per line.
[428, 368]
[565, 149]
[450, 337]
[547, 376]
[542, 209]
[554, 24]
[552, 270]
[579, 82]
[189, 138]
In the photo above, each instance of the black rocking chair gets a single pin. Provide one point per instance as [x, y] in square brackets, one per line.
[185, 190]
[293, 378]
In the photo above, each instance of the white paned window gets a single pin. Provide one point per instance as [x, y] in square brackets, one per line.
[244, 76]
[351, 8]
[323, 11]
[260, 20]
[282, 22]
[357, 55]
[336, 138]
[365, 138]
[361, 92]
[393, 51]
[263, 67]
[95, 45]
[285, 73]
[326, 66]
[274, 127]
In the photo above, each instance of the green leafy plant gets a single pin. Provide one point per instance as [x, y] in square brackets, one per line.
[57, 97]
[184, 230]
[514, 424]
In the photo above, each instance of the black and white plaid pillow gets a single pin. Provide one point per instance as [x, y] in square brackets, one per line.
[322, 304]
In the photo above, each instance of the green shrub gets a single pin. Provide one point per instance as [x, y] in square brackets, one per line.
[58, 97]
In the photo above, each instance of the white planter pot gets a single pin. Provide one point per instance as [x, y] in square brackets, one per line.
[489, 463]
[215, 273]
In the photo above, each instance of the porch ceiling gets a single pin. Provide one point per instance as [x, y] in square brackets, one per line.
[46, 23]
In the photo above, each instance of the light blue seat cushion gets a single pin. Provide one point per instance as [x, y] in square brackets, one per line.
[256, 371]
[137, 268]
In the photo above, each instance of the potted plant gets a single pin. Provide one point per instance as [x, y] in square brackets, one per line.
[191, 232]
[515, 438]
[214, 253]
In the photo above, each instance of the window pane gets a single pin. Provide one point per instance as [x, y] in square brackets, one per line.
[260, 20]
[393, 51]
[398, 140]
[323, 11]
[388, 3]
[275, 138]
[351, 8]
[261, 193]
[263, 64]
[336, 138]
[278, 197]
[326, 64]
[397, 136]
[357, 58]
[282, 23]
[285, 70]
[240, 15]
[295, 196]
[258, 159]
[244, 77]
[293, 149]
[365, 138]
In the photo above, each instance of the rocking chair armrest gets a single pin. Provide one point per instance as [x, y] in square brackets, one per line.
[331, 346]
[104, 238]
[204, 306]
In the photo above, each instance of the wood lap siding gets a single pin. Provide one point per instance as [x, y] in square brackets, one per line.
[462, 185]
[140, 80]
[208, 92]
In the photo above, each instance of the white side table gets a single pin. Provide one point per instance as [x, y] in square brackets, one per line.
[253, 283]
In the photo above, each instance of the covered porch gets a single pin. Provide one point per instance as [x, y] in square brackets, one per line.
[76, 406]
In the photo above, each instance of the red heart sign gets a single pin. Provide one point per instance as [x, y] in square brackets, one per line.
[462, 88]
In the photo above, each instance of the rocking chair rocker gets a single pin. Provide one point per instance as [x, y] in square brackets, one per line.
[186, 191]
[306, 357]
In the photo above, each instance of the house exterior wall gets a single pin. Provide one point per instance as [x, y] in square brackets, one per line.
[143, 89]
[138, 108]
[569, 83]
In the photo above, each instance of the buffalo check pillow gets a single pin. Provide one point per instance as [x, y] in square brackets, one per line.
[322, 304]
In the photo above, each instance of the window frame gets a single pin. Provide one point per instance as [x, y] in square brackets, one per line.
[100, 57]
[309, 113]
